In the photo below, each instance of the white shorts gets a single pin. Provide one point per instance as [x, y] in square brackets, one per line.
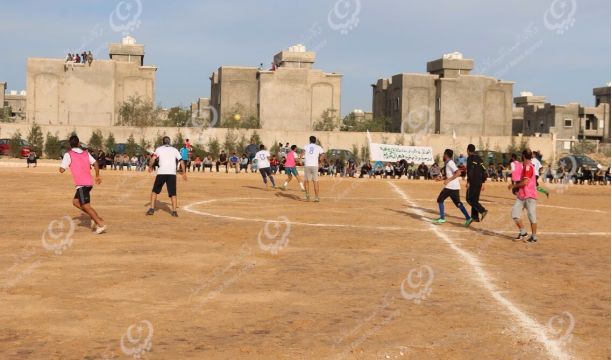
[529, 204]
[311, 173]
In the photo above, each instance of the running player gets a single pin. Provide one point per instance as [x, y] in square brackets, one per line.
[476, 176]
[263, 164]
[526, 197]
[537, 165]
[312, 154]
[80, 161]
[167, 156]
[451, 189]
[291, 169]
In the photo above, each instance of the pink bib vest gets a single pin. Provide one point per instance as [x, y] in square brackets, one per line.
[528, 191]
[79, 167]
[518, 170]
[290, 161]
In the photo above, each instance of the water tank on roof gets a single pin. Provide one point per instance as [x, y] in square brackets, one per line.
[13, 92]
[456, 55]
[128, 40]
[526, 93]
[22, 92]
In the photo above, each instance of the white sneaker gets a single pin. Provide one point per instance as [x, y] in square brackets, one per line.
[93, 225]
[101, 229]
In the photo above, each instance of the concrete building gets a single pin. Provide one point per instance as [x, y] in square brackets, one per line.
[61, 92]
[446, 100]
[16, 102]
[2, 90]
[569, 121]
[290, 96]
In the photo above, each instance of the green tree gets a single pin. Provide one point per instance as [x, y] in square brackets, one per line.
[241, 144]
[110, 143]
[229, 144]
[240, 118]
[213, 147]
[136, 111]
[179, 140]
[96, 139]
[130, 146]
[255, 139]
[328, 121]
[35, 138]
[15, 144]
[52, 146]
[365, 153]
[159, 140]
[144, 144]
[355, 150]
[179, 117]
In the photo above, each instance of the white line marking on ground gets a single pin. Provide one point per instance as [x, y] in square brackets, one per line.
[487, 282]
[189, 208]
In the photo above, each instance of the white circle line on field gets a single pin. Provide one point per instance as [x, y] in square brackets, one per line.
[481, 276]
[189, 208]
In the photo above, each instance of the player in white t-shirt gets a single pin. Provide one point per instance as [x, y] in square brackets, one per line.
[537, 165]
[263, 164]
[167, 157]
[312, 154]
[451, 189]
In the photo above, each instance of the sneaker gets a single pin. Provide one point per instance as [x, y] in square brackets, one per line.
[93, 225]
[482, 216]
[100, 229]
[531, 239]
[317, 199]
[283, 187]
[520, 236]
[151, 211]
[439, 221]
[174, 214]
[468, 222]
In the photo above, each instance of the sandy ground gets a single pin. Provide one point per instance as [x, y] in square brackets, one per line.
[254, 274]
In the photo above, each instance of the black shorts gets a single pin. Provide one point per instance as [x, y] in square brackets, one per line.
[453, 194]
[169, 180]
[82, 194]
[265, 172]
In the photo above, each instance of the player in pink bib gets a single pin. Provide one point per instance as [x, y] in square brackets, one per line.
[80, 161]
[526, 196]
[291, 168]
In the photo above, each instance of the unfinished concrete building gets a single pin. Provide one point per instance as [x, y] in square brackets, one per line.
[68, 93]
[568, 121]
[446, 100]
[292, 95]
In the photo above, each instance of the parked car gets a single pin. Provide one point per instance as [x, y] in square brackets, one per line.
[5, 148]
[574, 162]
[342, 154]
[120, 149]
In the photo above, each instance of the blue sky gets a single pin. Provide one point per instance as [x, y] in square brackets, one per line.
[520, 40]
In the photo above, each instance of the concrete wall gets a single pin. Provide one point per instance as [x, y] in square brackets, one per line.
[79, 94]
[234, 87]
[295, 98]
[475, 105]
[329, 140]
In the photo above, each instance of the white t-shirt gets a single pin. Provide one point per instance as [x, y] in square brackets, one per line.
[311, 154]
[66, 160]
[451, 168]
[262, 159]
[167, 156]
[537, 165]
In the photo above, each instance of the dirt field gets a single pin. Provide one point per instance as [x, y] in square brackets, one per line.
[246, 273]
